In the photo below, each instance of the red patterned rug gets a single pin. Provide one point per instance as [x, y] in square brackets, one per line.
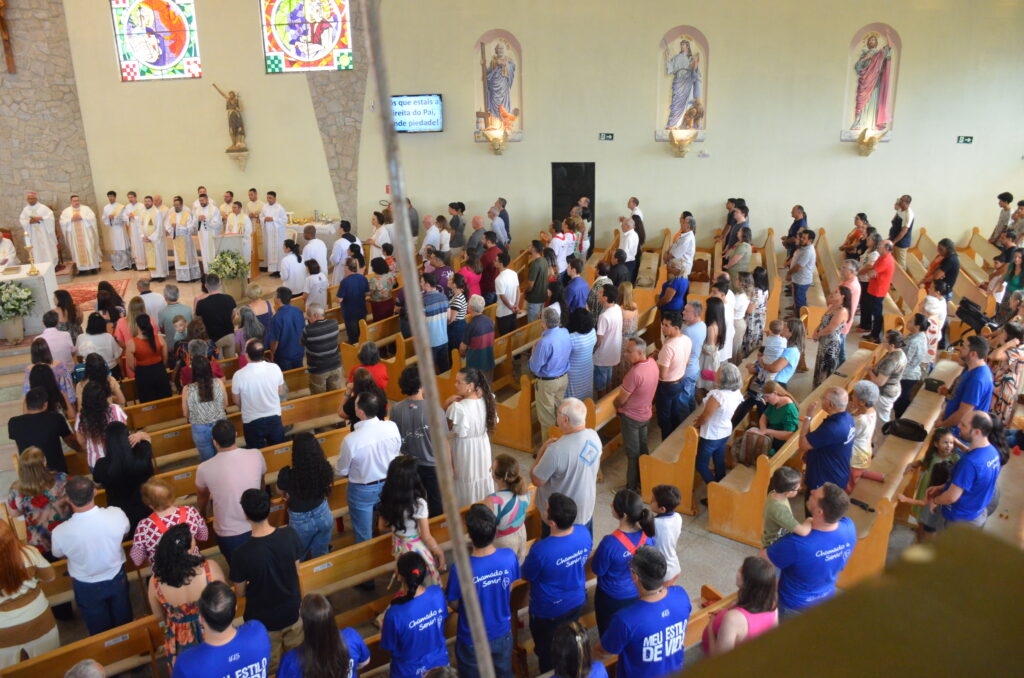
[85, 292]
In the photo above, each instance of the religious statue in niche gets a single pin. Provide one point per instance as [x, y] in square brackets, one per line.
[682, 84]
[499, 102]
[871, 82]
[237, 151]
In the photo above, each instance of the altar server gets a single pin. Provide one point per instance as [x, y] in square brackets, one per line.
[120, 247]
[238, 223]
[186, 265]
[37, 223]
[274, 220]
[206, 224]
[156, 242]
[315, 248]
[130, 217]
[78, 222]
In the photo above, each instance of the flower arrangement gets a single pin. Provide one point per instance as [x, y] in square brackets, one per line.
[229, 264]
[15, 300]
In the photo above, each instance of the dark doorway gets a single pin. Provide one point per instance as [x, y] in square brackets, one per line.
[571, 181]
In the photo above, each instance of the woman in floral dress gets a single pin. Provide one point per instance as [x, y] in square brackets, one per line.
[830, 333]
[1008, 373]
[758, 316]
[38, 495]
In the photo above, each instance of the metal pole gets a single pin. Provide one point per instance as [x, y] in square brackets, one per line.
[404, 249]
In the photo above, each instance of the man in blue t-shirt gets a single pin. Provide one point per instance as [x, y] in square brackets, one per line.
[225, 650]
[810, 565]
[494, 571]
[352, 291]
[556, 568]
[649, 636]
[974, 390]
[285, 332]
[828, 448]
[965, 498]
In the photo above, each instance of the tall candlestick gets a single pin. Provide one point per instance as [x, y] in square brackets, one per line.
[32, 270]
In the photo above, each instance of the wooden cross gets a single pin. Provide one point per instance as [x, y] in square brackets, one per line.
[5, 35]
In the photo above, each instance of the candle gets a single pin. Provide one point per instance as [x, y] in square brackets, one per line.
[28, 240]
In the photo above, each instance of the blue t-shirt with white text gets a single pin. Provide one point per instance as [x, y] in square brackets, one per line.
[493, 576]
[810, 565]
[247, 654]
[650, 637]
[413, 633]
[975, 388]
[358, 653]
[556, 568]
[976, 474]
[611, 564]
[828, 460]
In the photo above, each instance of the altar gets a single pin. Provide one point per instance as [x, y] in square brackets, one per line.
[43, 286]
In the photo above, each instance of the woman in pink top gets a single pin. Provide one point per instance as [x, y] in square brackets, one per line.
[756, 610]
[472, 272]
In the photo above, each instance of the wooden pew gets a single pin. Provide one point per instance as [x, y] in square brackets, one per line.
[775, 283]
[673, 462]
[515, 425]
[228, 365]
[978, 248]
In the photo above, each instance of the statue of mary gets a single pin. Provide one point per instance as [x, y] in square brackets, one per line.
[686, 79]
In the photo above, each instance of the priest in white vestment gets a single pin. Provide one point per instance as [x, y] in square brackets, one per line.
[120, 247]
[158, 203]
[200, 191]
[178, 227]
[238, 223]
[38, 225]
[225, 207]
[130, 217]
[8, 253]
[206, 224]
[156, 242]
[78, 222]
[274, 220]
[253, 208]
[315, 248]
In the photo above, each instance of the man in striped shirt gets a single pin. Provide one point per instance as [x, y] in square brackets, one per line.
[435, 308]
[323, 359]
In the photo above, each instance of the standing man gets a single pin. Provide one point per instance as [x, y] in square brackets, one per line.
[253, 209]
[225, 207]
[697, 331]
[535, 289]
[257, 389]
[577, 291]
[323, 359]
[130, 217]
[37, 221]
[827, 449]
[563, 242]
[549, 362]
[352, 291]
[435, 310]
[285, 331]
[274, 219]
[365, 455]
[206, 224]
[801, 270]
[155, 303]
[629, 242]
[633, 205]
[790, 240]
[200, 191]
[633, 404]
[171, 310]
[225, 650]
[154, 240]
[506, 289]
[684, 244]
[901, 231]
[476, 238]
[431, 236]
[216, 309]
[488, 261]
[972, 484]
[673, 359]
[414, 217]
[879, 280]
[91, 542]
[500, 204]
[412, 418]
[120, 247]
[78, 222]
[498, 226]
[974, 387]
[179, 228]
[315, 248]
[608, 350]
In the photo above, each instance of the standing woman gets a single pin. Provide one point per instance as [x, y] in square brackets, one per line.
[326, 651]
[52, 376]
[856, 240]
[630, 321]
[27, 626]
[127, 328]
[1008, 373]
[147, 357]
[293, 273]
[262, 308]
[97, 340]
[756, 610]
[472, 270]
[91, 424]
[202, 403]
[738, 258]
[404, 511]
[127, 465]
[457, 308]
[110, 310]
[582, 339]
[714, 341]
[159, 495]
[715, 423]
[471, 418]
[445, 236]
[306, 485]
[935, 308]
[830, 333]
[556, 299]
[916, 350]
[249, 327]
[742, 305]
[414, 646]
[96, 370]
[69, 317]
[615, 588]
[510, 502]
[180, 573]
[571, 653]
[886, 374]
[38, 496]
[757, 315]
[382, 289]
[457, 225]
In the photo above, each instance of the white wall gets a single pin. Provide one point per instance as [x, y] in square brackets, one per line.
[777, 76]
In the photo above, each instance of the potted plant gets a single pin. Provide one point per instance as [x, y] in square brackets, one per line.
[16, 302]
[232, 269]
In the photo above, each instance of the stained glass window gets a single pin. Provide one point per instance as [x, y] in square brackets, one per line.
[306, 35]
[156, 39]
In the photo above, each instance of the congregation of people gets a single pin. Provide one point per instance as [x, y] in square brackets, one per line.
[721, 364]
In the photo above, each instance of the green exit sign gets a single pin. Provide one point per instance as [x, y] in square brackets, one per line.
[965, 140]
[605, 136]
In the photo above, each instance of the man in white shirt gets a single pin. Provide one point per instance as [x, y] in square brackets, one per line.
[62, 349]
[257, 389]
[684, 245]
[91, 542]
[498, 226]
[154, 302]
[901, 231]
[365, 455]
[608, 350]
[633, 205]
[629, 242]
[274, 220]
[431, 236]
[506, 289]
[37, 222]
[315, 248]
[120, 247]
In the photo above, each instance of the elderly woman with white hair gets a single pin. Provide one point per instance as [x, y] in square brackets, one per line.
[674, 290]
[863, 398]
[886, 374]
[715, 422]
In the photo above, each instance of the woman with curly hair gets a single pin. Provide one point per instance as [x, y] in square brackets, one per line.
[471, 417]
[58, 383]
[91, 424]
[306, 484]
[403, 511]
[180, 574]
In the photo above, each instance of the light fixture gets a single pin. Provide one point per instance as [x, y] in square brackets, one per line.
[498, 136]
[868, 139]
[681, 140]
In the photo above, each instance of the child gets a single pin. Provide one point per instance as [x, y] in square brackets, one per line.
[180, 326]
[494, 570]
[510, 502]
[667, 526]
[928, 520]
[389, 256]
[315, 288]
[862, 407]
[413, 629]
[403, 510]
[615, 587]
[778, 515]
[771, 350]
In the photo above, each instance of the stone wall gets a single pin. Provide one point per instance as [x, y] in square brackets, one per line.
[42, 139]
[338, 102]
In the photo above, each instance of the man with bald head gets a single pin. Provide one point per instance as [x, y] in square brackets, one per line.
[476, 238]
[37, 223]
[431, 236]
[827, 449]
[498, 226]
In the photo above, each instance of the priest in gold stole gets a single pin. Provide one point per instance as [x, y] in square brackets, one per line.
[239, 223]
[186, 264]
[78, 222]
[155, 243]
[253, 209]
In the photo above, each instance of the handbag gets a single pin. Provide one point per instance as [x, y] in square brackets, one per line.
[708, 375]
[932, 384]
[908, 429]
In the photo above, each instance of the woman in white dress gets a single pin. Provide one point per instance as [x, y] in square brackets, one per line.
[293, 271]
[471, 418]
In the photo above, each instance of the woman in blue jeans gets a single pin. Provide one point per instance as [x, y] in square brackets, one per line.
[306, 484]
[715, 422]
[202, 403]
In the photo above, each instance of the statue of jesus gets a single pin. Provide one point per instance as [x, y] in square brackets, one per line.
[873, 105]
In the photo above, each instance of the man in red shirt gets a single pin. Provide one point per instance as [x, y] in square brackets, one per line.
[633, 404]
[879, 280]
[487, 259]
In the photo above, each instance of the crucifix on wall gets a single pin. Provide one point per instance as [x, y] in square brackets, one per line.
[5, 36]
